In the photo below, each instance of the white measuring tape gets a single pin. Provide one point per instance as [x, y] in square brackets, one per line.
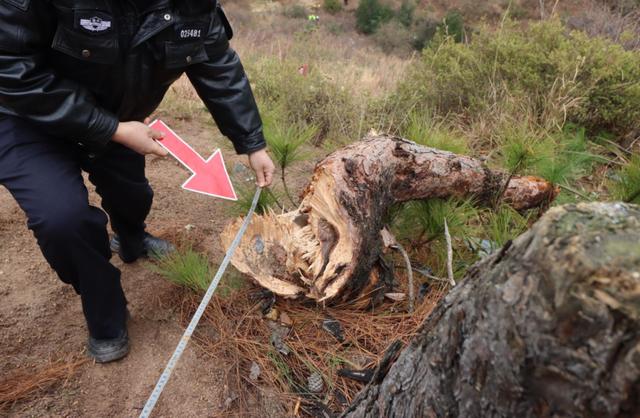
[166, 374]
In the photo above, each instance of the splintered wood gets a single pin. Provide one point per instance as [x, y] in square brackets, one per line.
[329, 248]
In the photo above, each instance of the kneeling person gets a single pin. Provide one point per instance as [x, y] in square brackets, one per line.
[77, 82]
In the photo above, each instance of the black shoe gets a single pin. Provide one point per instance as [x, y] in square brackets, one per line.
[151, 246]
[105, 351]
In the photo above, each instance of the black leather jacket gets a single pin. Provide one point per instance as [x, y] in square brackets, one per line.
[77, 67]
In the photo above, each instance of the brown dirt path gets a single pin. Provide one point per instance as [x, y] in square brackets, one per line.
[41, 318]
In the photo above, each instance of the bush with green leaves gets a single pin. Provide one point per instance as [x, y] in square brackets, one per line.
[332, 6]
[423, 29]
[370, 14]
[313, 99]
[404, 15]
[563, 75]
[453, 26]
[393, 38]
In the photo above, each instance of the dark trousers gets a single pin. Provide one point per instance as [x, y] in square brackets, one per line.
[43, 174]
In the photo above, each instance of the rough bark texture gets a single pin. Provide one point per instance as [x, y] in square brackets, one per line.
[547, 327]
[329, 248]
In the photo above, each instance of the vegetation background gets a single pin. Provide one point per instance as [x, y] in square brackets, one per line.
[546, 88]
[541, 88]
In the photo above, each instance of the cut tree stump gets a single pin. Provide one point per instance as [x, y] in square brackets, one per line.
[329, 248]
[547, 327]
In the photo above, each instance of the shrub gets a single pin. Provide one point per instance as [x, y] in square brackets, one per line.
[423, 30]
[393, 38]
[453, 26]
[332, 6]
[370, 14]
[405, 13]
[563, 75]
[313, 99]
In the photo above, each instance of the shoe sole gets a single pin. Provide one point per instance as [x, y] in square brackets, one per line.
[111, 356]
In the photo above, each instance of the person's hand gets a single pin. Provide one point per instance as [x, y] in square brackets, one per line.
[140, 138]
[262, 165]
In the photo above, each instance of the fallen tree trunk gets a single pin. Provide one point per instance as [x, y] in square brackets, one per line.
[547, 327]
[328, 249]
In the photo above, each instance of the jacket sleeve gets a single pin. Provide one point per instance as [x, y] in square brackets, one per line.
[223, 86]
[30, 89]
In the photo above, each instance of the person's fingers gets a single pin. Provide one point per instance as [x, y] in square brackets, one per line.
[260, 177]
[157, 135]
[268, 176]
[158, 150]
[147, 121]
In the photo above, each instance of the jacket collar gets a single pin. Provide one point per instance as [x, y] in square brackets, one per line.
[153, 23]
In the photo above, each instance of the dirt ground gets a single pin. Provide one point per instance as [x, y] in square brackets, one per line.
[41, 318]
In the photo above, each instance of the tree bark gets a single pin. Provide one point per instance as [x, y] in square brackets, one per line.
[547, 327]
[329, 248]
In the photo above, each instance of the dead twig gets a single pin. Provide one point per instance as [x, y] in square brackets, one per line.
[449, 254]
[396, 246]
[390, 241]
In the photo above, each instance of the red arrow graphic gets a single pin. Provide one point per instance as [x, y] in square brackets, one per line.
[209, 177]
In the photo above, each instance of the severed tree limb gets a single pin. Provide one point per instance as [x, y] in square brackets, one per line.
[329, 248]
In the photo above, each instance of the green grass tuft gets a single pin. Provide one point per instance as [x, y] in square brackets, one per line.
[625, 184]
[424, 219]
[503, 225]
[191, 269]
[424, 131]
[185, 267]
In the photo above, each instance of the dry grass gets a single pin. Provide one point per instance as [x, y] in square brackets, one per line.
[235, 333]
[25, 382]
[600, 20]
[333, 48]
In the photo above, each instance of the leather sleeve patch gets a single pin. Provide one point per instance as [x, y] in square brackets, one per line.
[20, 4]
